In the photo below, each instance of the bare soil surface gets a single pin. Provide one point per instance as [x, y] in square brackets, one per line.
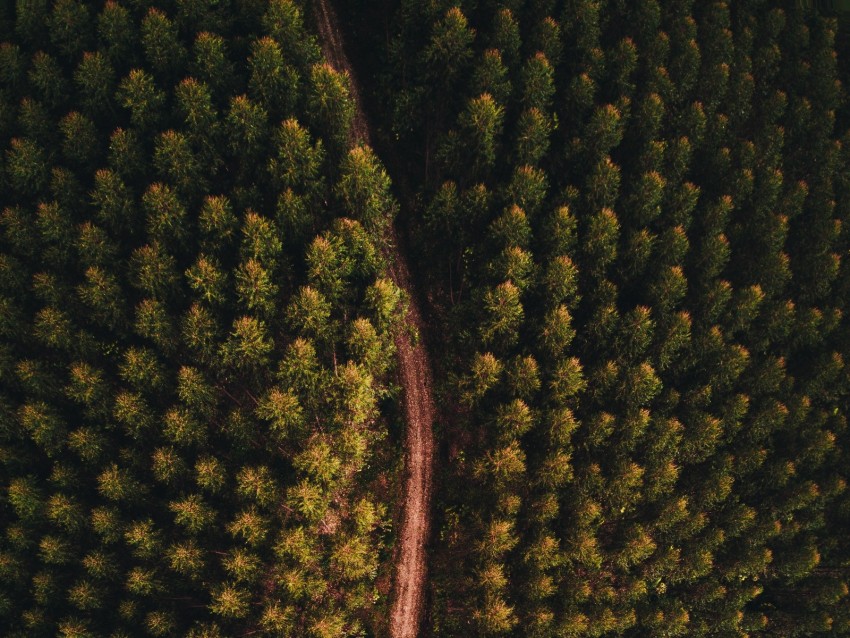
[416, 381]
[330, 38]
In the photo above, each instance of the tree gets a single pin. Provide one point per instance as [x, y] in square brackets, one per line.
[277, 618]
[506, 37]
[45, 76]
[567, 381]
[144, 583]
[163, 49]
[192, 513]
[56, 231]
[604, 131]
[547, 38]
[103, 295]
[106, 523]
[511, 228]
[207, 280]
[217, 223]
[26, 498]
[319, 462]
[255, 289]
[367, 347]
[154, 322]
[387, 304]
[353, 558]
[449, 50]
[247, 126]
[35, 124]
[154, 271]
[144, 539]
[177, 163]
[200, 332]
[212, 64]
[46, 428]
[364, 188]
[538, 84]
[260, 240]
[249, 526]
[89, 387]
[31, 20]
[13, 63]
[70, 27]
[330, 105]
[195, 391]
[210, 474]
[100, 565]
[527, 188]
[329, 268]
[115, 28]
[242, 566]
[195, 103]
[532, 137]
[183, 428]
[600, 244]
[118, 484]
[491, 76]
[142, 369]
[165, 215]
[297, 161]
[133, 412]
[283, 411]
[273, 83]
[256, 484]
[283, 21]
[26, 166]
[309, 313]
[125, 154]
[167, 465]
[138, 93]
[503, 315]
[308, 500]
[95, 79]
[52, 327]
[248, 346]
[479, 130]
[114, 202]
[80, 143]
[513, 264]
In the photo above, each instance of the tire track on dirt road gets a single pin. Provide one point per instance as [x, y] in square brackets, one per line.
[416, 380]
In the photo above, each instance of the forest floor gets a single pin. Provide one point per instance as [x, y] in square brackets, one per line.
[416, 381]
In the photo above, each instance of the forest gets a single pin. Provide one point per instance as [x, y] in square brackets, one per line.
[627, 231]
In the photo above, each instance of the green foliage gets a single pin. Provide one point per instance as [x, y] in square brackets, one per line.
[193, 347]
[630, 223]
[364, 188]
[652, 237]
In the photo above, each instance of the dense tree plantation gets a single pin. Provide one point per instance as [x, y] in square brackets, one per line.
[630, 228]
[631, 218]
[196, 327]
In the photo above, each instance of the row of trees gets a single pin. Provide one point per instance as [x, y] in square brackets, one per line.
[634, 228]
[196, 327]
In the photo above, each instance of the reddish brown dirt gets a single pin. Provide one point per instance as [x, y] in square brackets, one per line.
[332, 47]
[416, 381]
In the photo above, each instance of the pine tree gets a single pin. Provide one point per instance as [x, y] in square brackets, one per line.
[273, 83]
[138, 93]
[163, 50]
[364, 188]
[46, 77]
[449, 49]
[329, 105]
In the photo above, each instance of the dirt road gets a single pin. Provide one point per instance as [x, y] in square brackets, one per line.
[330, 38]
[415, 371]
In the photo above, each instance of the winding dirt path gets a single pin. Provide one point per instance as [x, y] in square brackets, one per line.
[415, 371]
